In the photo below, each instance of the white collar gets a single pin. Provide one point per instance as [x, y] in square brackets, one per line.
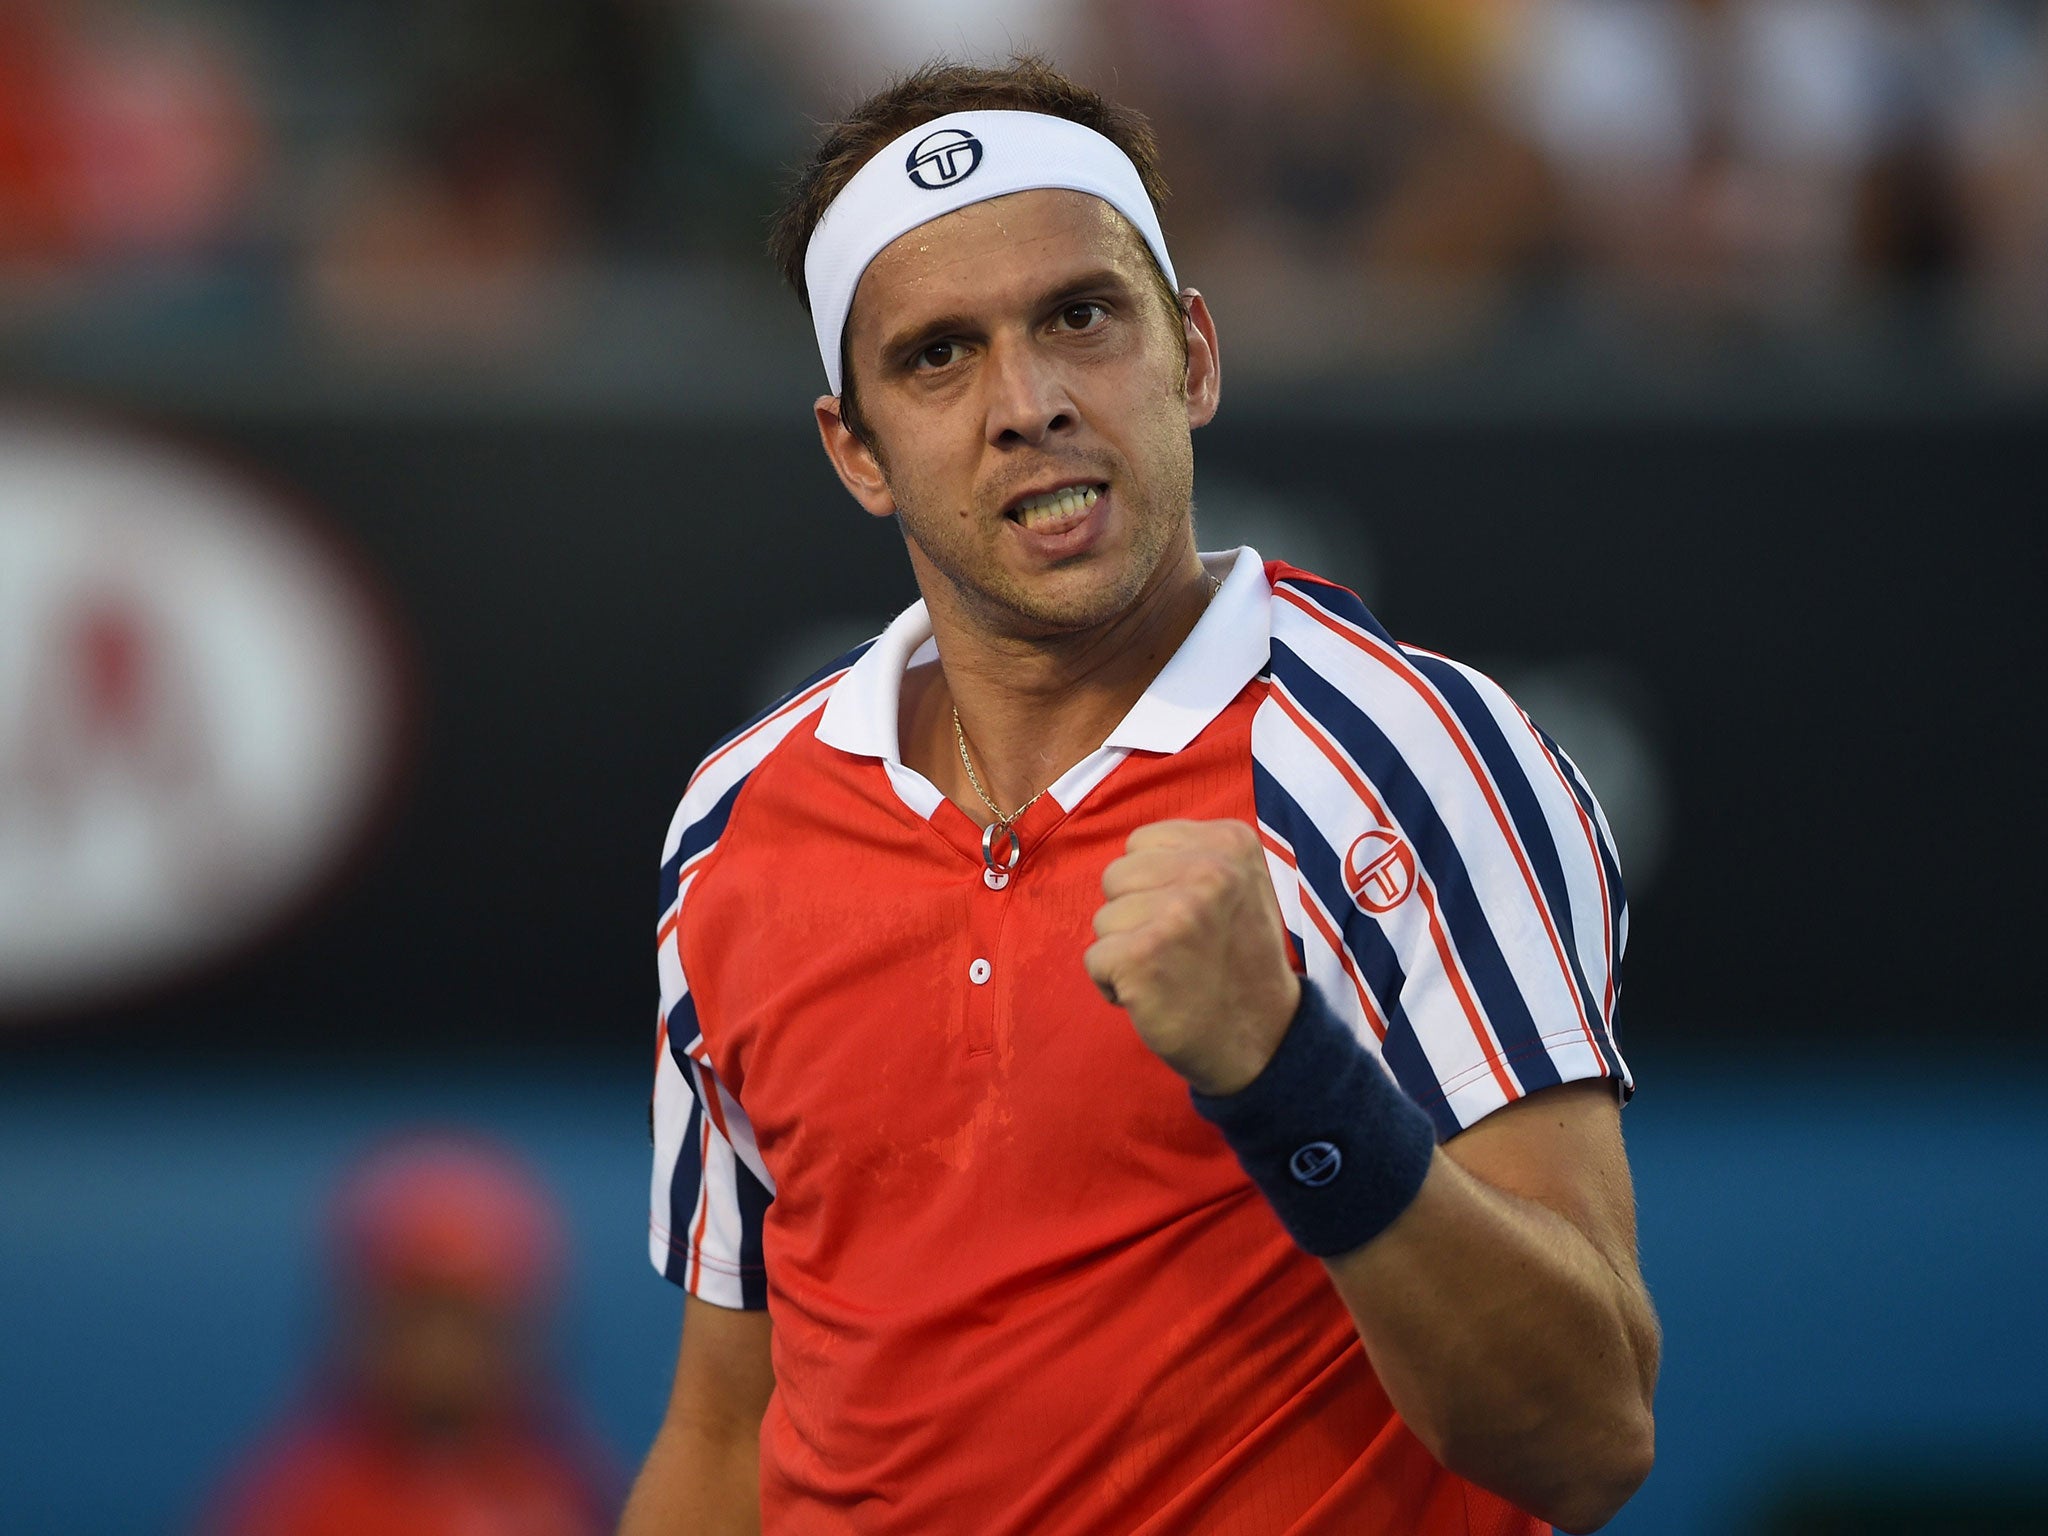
[1227, 648]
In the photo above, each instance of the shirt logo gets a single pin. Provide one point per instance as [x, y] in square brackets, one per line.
[1315, 1164]
[942, 158]
[1379, 870]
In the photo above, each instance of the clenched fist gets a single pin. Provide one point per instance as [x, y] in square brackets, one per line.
[1189, 942]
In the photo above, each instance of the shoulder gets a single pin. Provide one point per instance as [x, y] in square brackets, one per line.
[1429, 744]
[1333, 663]
[734, 760]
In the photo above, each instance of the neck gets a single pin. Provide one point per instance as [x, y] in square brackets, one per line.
[1033, 707]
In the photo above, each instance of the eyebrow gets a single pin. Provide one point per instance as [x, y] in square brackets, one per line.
[914, 338]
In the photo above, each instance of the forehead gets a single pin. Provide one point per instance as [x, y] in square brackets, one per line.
[994, 255]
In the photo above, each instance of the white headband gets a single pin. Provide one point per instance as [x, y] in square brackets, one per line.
[944, 165]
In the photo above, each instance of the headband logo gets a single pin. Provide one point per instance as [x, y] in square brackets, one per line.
[942, 158]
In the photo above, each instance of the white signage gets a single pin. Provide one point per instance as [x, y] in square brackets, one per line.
[198, 712]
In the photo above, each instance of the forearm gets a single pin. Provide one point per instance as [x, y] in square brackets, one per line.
[700, 1478]
[1520, 1356]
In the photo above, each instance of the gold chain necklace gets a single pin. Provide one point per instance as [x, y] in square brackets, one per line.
[1003, 829]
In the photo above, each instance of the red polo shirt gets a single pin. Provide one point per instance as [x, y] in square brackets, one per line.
[1017, 1283]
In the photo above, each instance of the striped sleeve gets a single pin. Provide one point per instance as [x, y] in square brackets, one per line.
[1445, 871]
[710, 1190]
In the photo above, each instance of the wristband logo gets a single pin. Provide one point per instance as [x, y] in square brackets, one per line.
[1315, 1164]
[942, 158]
[1379, 870]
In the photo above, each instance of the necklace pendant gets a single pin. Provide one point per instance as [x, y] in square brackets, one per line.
[1001, 835]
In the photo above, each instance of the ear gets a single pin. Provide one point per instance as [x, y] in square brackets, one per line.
[859, 471]
[1205, 364]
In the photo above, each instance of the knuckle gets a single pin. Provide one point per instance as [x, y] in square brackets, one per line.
[1236, 846]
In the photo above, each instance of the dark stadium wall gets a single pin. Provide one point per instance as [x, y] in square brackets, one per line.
[1829, 630]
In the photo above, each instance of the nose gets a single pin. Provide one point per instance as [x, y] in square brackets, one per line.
[1027, 399]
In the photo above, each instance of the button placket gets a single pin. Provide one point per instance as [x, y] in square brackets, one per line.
[983, 947]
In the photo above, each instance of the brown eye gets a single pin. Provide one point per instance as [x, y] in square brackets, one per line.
[1080, 317]
[937, 355]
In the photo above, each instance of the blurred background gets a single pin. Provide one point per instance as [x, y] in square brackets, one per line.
[406, 472]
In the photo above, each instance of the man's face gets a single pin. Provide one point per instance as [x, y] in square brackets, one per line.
[1007, 351]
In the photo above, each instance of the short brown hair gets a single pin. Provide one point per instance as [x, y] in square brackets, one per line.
[1028, 83]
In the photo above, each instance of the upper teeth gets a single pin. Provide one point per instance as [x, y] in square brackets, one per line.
[1064, 502]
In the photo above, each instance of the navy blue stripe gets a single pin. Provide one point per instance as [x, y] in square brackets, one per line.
[754, 1202]
[1617, 897]
[683, 1030]
[1341, 601]
[699, 835]
[1378, 965]
[1408, 801]
[708, 828]
[1524, 808]
[754, 1197]
[1609, 858]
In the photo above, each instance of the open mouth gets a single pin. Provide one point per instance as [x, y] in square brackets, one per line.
[1050, 511]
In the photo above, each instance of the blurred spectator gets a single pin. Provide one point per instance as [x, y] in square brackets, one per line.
[520, 139]
[1318, 148]
[475, 181]
[1313, 127]
[435, 1417]
[1774, 150]
[124, 132]
[1999, 119]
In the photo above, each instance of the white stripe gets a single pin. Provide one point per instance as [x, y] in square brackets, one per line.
[718, 1186]
[740, 1132]
[1327, 970]
[1599, 815]
[668, 955]
[1286, 884]
[1561, 817]
[718, 1278]
[672, 1101]
[1488, 850]
[1516, 878]
[1441, 1025]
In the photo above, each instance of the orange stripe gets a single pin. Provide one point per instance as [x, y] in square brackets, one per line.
[1330, 937]
[1599, 873]
[661, 1042]
[1500, 816]
[1438, 936]
[675, 916]
[749, 734]
[711, 1105]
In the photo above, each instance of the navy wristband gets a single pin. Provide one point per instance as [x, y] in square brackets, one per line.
[1330, 1139]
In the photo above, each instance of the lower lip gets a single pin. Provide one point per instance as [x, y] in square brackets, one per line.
[1075, 538]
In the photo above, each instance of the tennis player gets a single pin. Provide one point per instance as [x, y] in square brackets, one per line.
[1137, 1044]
